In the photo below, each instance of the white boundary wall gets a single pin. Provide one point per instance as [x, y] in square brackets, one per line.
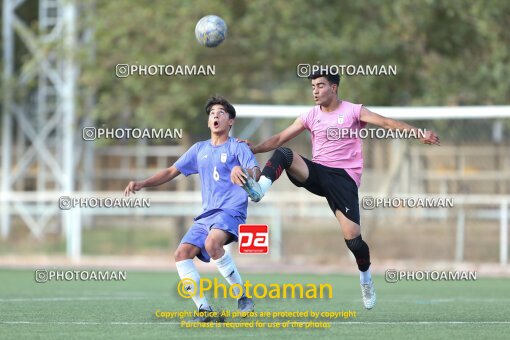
[25, 203]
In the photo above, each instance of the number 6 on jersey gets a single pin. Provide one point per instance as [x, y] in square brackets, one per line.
[216, 175]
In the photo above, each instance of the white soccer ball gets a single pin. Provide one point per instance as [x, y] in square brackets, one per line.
[211, 30]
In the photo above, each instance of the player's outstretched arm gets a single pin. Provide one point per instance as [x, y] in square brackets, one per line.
[279, 139]
[368, 116]
[159, 178]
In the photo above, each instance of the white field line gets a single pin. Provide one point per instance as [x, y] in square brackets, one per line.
[304, 322]
[49, 299]
[413, 300]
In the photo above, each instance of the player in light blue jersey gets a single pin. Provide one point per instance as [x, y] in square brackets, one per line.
[219, 162]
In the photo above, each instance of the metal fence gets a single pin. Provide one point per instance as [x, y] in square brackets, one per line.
[472, 165]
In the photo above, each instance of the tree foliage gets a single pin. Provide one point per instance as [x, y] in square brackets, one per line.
[447, 53]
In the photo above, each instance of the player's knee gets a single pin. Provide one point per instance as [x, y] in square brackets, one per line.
[351, 234]
[356, 244]
[182, 254]
[286, 154]
[361, 252]
[213, 247]
[351, 230]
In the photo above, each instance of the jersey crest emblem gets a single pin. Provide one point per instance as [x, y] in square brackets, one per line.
[340, 119]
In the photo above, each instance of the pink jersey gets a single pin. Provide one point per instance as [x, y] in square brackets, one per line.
[330, 150]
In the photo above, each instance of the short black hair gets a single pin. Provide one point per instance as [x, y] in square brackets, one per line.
[218, 100]
[332, 78]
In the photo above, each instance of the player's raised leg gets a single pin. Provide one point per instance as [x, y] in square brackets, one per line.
[184, 256]
[355, 243]
[282, 159]
[214, 245]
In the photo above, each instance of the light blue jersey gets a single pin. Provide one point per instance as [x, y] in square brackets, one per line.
[214, 164]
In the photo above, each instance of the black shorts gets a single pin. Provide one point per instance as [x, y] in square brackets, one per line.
[336, 185]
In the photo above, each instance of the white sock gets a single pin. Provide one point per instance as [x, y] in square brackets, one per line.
[265, 183]
[365, 277]
[228, 270]
[187, 269]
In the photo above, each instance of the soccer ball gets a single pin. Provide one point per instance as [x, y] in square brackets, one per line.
[211, 30]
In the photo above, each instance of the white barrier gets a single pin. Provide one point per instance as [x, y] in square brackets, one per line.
[272, 206]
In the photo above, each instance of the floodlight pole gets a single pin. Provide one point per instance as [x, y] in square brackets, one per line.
[44, 128]
[68, 107]
[8, 57]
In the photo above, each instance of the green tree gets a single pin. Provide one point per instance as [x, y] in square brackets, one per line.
[447, 53]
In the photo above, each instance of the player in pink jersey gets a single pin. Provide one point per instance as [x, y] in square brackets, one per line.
[335, 169]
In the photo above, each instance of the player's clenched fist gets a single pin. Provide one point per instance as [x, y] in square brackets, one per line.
[237, 176]
[132, 187]
[430, 138]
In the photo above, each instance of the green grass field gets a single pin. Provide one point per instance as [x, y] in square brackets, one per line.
[126, 309]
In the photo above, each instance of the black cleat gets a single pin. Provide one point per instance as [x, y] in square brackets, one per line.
[208, 315]
[246, 305]
[205, 315]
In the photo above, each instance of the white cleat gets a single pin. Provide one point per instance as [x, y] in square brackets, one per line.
[368, 294]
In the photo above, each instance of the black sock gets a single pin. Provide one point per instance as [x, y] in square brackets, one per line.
[279, 161]
[361, 252]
